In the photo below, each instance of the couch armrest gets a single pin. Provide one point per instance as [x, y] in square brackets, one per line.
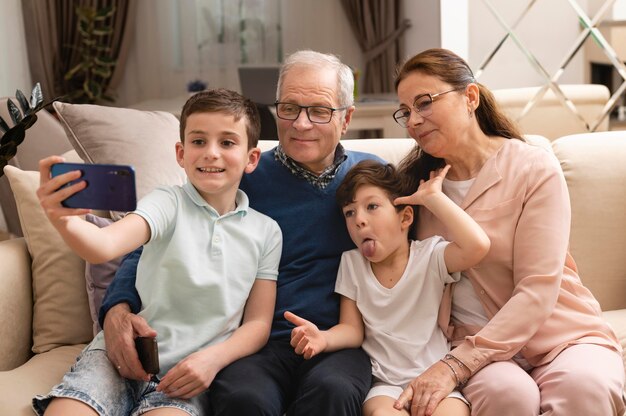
[16, 304]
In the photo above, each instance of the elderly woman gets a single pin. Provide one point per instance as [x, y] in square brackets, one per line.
[529, 337]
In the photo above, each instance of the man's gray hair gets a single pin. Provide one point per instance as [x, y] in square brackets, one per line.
[345, 93]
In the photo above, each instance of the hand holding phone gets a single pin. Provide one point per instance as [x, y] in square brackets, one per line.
[148, 352]
[109, 187]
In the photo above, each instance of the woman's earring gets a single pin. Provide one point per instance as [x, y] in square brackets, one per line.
[470, 113]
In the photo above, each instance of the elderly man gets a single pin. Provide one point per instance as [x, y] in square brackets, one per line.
[294, 184]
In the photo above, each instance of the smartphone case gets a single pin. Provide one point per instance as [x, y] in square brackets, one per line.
[109, 187]
[148, 352]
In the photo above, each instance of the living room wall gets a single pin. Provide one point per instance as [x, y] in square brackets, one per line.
[163, 57]
[14, 72]
[548, 31]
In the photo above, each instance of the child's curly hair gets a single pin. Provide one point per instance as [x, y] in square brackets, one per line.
[380, 175]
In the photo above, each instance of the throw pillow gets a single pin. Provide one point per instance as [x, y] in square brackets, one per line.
[99, 276]
[143, 139]
[60, 307]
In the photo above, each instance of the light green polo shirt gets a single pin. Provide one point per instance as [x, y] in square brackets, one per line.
[195, 273]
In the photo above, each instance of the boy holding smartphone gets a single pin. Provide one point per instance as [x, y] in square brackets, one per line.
[207, 274]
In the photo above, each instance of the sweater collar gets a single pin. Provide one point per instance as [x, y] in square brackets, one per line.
[319, 181]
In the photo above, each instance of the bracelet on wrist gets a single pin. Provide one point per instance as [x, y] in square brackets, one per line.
[460, 363]
[460, 383]
[456, 375]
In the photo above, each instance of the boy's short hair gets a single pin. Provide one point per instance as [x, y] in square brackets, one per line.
[222, 100]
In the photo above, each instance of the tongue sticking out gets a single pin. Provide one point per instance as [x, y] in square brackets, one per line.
[368, 248]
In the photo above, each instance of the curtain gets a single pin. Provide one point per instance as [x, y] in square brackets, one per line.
[378, 26]
[51, 40]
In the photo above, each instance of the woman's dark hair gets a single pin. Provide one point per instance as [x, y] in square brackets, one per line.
[225, 101]
[451, 69]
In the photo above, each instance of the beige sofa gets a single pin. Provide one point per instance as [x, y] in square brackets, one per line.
[45, 317]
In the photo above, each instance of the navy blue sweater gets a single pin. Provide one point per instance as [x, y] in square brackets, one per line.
[314, 236]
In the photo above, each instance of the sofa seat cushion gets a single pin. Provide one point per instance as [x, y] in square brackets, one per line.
[37, 376]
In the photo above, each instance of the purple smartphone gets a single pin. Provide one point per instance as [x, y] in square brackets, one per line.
[109, 187]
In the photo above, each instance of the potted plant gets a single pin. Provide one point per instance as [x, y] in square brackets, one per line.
[86, 79]
[11, 137]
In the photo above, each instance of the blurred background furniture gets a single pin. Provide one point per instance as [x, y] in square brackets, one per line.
[549, 117]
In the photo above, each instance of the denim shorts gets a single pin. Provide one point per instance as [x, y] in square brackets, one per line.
[94, 381]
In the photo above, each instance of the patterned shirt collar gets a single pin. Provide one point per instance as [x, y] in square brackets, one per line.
[320, 181]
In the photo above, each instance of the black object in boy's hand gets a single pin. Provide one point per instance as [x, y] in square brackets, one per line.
[148, 353]
[109, 187]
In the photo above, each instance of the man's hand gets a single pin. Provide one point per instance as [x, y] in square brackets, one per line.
[121, 327]
[306, 339]
[424, 393]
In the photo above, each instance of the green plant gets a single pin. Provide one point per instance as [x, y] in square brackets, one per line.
[86, 79]
[14, 136]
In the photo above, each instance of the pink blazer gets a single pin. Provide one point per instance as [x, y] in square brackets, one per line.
[528, 282]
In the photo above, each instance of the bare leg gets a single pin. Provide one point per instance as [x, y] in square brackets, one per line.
[167, 411]
[382, 406]
[451, 406]
[62, 406]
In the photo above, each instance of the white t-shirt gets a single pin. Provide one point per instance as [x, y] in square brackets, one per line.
[196, 272]
[402, 337]
[466, 307]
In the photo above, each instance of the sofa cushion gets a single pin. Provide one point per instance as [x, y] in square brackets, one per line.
[37, 376]
[144, 139]
[60, 308]
[594, 168]
[99, 276]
